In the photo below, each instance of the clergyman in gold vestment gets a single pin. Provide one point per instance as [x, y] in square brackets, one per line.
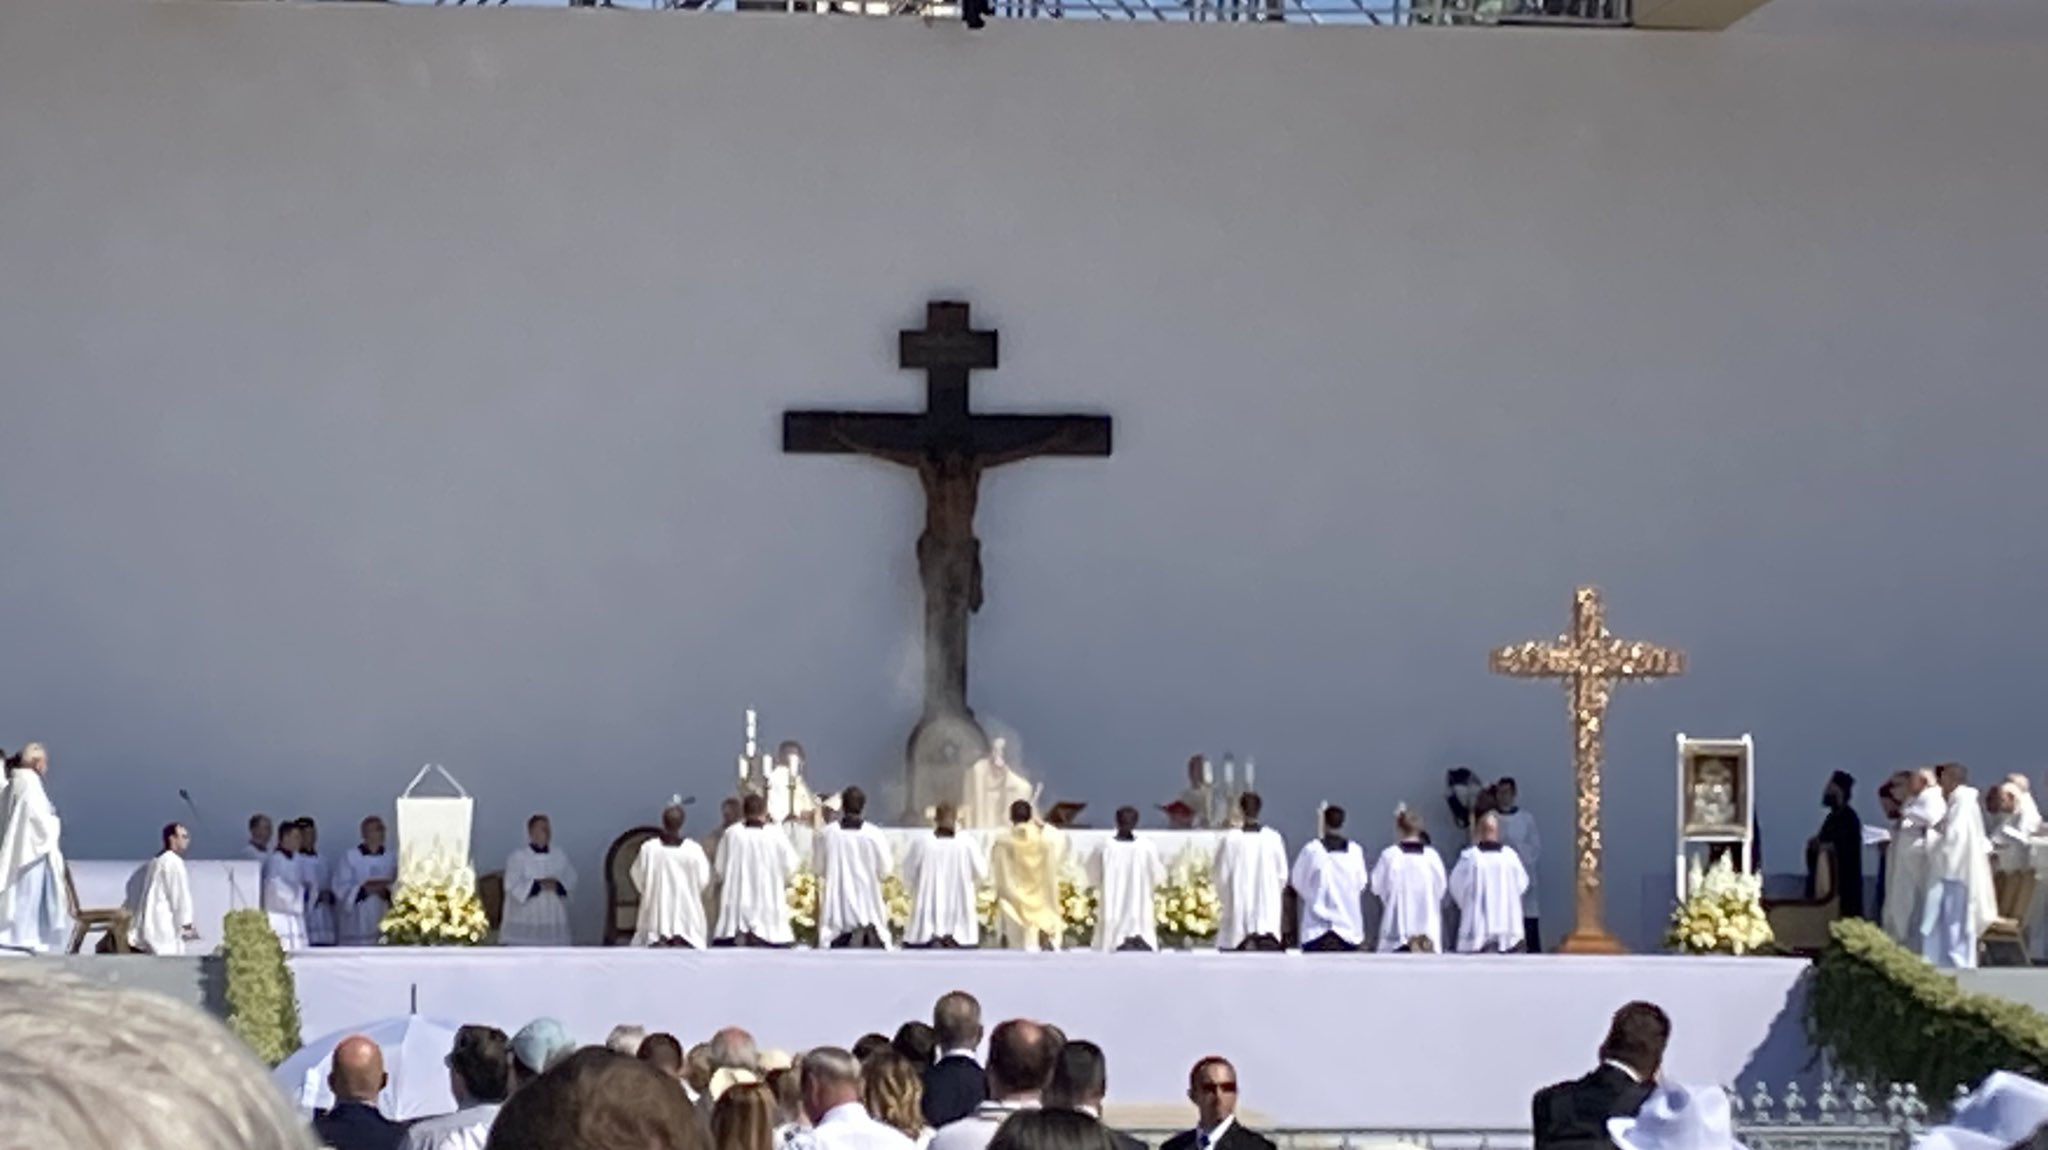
[1024, 866]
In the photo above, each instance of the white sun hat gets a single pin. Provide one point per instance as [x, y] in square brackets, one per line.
[2004, 1111]
[1678, 1118]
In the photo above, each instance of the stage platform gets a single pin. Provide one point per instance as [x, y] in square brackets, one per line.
[1387, 1041]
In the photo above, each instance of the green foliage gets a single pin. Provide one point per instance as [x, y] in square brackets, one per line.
[1885, 1016]
[263, 1002]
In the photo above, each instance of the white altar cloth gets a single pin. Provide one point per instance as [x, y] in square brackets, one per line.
[218, 886]
[1415, 1042]
[1171, 845]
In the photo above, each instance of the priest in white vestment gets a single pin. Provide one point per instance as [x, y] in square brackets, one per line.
[944, 872]
[1330, 881]
[1518, 833]
[1487, 885]
[1909, 860]
[1410, 881]
[671, 872]
[1124, 872]
[362, 883]
[319, 879]
[538, 882]
[284, 890]
[2013, 840]
[851, 858]
[1251, 882]
[35, 915]
[989, 787]
[1960, 898]
[754, 865]
[160, 906]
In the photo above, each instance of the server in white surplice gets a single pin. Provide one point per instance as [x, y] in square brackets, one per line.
[1410, 881]
[1487, 885]
[1125, 871]
[1251, 882]
[853, 857]
[1330, 881]
[671, 872]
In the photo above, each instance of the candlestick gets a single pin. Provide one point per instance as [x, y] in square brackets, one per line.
[1229, 773]
[1248, 783]
[1208, 773]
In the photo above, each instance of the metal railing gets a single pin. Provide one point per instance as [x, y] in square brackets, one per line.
[1389, 13]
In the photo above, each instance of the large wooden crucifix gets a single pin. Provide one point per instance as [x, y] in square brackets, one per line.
[949, 447]
[1591, 661]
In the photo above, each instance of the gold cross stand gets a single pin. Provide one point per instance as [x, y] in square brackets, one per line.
[1591, 661]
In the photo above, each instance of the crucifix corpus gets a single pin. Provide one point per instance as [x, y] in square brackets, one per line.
[1591, 661]
[948, 447]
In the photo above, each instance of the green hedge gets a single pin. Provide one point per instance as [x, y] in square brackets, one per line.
[263, 1002]
[1886, 1016]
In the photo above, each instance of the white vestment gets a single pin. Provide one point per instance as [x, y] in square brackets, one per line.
[537, 917]
[358, 913]
[1908, 864]
[944, 875]
[754, 866]
[255, 853]
[986, 792]
[671, 882]
[1251, 880]
[35, 915]
[160, 910]
[851, 865]
[1518, 833]
[2012, 834]
[1124, 873]
[1330, 886]
[284, 899]
[1488, 886]
[320, 925]
[1960, 878]
[1410, 880]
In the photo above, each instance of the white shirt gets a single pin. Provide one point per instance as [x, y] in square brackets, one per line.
[1216, 1135]
[847, 1126]
[974, 1131]
[466, 1129]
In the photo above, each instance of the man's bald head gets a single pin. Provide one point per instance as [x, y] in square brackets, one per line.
[358, 1074]
[1020, 1058]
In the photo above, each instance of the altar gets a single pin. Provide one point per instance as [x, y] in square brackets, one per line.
[1191, 847]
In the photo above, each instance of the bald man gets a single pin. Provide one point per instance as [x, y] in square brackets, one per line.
[357, 1078]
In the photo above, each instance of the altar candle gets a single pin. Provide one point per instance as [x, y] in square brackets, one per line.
[1229, 771]
[1248, 783]
[1208, 773]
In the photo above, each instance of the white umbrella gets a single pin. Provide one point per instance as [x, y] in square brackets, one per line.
[415, 1059]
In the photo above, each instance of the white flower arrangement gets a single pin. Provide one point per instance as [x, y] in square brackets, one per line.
[1185, 908]
[1723, 915]
[802, 896]
[436, 905]
[1078, 906]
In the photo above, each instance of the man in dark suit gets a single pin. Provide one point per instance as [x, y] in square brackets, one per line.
[1080, 1081]
[356, 1079]
[1212, 1087]
[1573, 1115]
[955, 1085]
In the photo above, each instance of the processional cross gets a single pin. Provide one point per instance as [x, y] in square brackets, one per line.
[949, 447]
[1591, 661]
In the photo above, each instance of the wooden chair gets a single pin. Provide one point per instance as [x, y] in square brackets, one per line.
[2004, 941]
[85, 920]
[490, 891]
[1800, 925]
[621, 900]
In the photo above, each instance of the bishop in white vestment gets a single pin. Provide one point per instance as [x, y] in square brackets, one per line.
[362, 883]
[671, 872]
[1124, 872]
[320, 917]
[944, 871]
[1909, 860]
[538, 882]
[754, 865]
[34, 914]
[853, 856]
[1330, 881]
[1960, 899]
[1487, 885]
[160, 909]
[1410, 881]
[284, 890]
[1251, 882]
[989, 787]
[1518, 832]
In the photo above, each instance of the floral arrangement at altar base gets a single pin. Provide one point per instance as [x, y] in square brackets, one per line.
[436, 905]
[1078, 907]
[896, 903]
[1185, 908]
[802, 896]
[985, 907]
[1723, 915]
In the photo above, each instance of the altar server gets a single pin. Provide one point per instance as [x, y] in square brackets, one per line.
[1251, 881]
[320, 925]
[1410, 881]
[1487, 885]
[754, 865]
[34, 914]
[284, 890]
[1330, 880]
[1518, 833]
[944, 871]
[362, 884]
[258, 847]
[160, 912]
[1910, 859]
[1124, 872]
[852, 857]
[1024, 867]
[671, 872]
[538, 882]
[1960, 900]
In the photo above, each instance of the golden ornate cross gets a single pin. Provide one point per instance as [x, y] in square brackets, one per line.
[1591, 661]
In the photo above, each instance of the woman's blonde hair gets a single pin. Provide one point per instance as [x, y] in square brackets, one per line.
[893, 1092]
[744, 1118]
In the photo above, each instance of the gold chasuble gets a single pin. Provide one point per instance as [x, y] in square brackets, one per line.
[1024, 868]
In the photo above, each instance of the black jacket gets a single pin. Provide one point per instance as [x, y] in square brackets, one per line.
[953, 1087]
[1573, 1115]
[357, 1126]
[1234, 1138]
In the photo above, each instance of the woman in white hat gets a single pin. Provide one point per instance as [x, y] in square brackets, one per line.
[1678, 1118]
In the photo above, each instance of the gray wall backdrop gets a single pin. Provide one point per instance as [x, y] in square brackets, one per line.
[384, 386]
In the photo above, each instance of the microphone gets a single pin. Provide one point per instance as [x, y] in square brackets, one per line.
[235, 899]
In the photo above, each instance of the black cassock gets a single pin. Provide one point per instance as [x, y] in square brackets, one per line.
[1843, 831]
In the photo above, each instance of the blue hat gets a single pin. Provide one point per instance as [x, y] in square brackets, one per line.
[540, 1044]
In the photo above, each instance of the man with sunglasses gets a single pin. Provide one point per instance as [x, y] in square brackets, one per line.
[1212, 1087]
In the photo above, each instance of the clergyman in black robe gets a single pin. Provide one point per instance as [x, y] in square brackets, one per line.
[1842, 833]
